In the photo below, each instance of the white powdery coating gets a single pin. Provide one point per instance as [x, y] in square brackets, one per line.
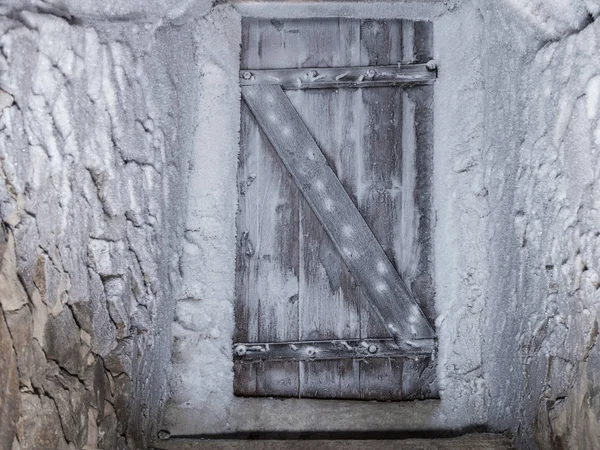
[202, 377]
[382, 267]
[381, 287]
[155, 11]
[470, 185]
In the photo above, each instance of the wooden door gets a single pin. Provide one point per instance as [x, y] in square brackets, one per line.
[334, 290]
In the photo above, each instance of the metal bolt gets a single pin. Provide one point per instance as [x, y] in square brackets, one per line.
[240, 350]
[164, 435]
[310, 351]
[247, 75]
[372, 348]
[431, 65]
[370, 73]
[313, 73]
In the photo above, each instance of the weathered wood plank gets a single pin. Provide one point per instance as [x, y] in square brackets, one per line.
[247, 324]
[268, 233]
[277, 379]
[381, 379]
[412, 246]
[328, 294]
[286, 45]
[244, 378]
[423, 41]
[330, 379]
[306, 350]
[322, 189]
[381, 180]
[340, 77]
[419, 380]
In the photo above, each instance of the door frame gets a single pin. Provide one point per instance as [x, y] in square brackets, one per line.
[457, 368]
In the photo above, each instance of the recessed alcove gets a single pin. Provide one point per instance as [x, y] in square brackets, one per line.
[203, 402]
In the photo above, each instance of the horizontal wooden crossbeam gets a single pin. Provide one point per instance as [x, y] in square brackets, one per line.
[333, 349]
[342, 77]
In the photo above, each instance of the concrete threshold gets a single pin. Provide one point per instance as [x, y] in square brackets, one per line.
[251, 418]
[467, 442]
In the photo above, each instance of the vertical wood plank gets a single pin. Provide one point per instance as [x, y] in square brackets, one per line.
[423, 41]
[328, 292]
[244, 379]
[267, 299]
[247, 300]
[413, 246]
[419, 379]
[381, 182]
[381, 379]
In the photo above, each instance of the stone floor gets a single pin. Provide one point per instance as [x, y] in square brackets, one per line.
[468, 442]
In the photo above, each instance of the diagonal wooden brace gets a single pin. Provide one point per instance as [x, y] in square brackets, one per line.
[342, 221]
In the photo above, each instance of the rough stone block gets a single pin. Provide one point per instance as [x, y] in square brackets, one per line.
[94, 318]
[12, 294]
[107, 428]
[118, 297]
[107, 258]
[71, 399]
[120, 360]
[39, 424]
[62, 341]
[20, 324]
[9, 387]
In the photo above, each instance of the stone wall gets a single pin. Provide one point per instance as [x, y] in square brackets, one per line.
[542, 165]
[95, 127]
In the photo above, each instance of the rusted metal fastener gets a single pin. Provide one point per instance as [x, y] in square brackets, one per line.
[247, 75]
[370, 73]
[372, 349]
[310, 351]
[240, 350]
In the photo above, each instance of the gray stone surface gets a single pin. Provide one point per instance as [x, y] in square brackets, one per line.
[39, 424]
[95, 131]
[71, 399]
[62, 341]
[9, 387]
[540, 172]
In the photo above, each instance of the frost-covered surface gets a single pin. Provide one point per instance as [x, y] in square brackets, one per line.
[460, 204]
[202, 380]
[542, 176]
[118, 146]
[203, 400]
[516, 175]
[92, 150]
[149, 12]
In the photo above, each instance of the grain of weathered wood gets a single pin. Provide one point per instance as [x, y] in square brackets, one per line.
[244, 379]
[381, 178]
[340, 77]
[328, 294]
[301, 44]
[413, 235]
[268, 234]
[419, 380]
[346, 227]
[246, 264]
[307, 350]
[423, 41]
